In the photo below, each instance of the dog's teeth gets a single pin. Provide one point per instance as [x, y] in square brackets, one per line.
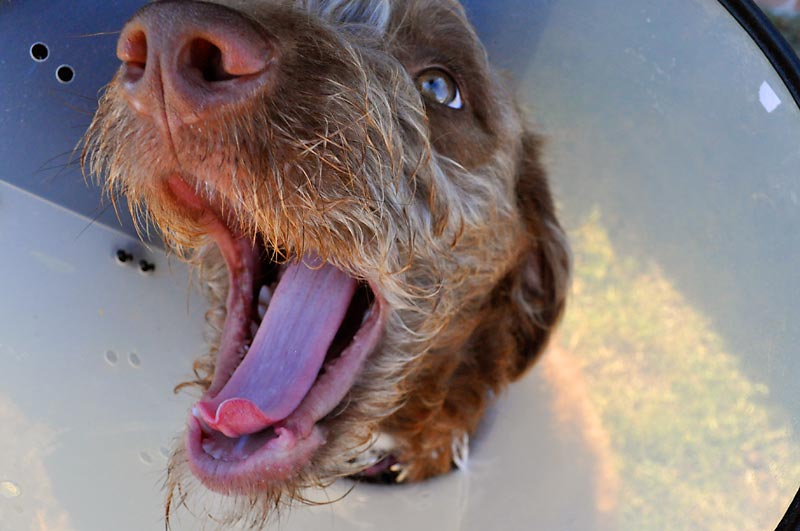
[242, 352]
[212, 449]
[402, 473]
[264, 295]
[366, 315]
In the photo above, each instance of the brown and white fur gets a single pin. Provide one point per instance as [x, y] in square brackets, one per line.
[299, 125]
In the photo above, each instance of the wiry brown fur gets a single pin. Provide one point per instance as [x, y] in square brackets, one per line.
[447, 212]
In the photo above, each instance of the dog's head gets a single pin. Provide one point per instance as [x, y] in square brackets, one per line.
[369, 219]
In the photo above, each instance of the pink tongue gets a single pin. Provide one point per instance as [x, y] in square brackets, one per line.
[289, 348]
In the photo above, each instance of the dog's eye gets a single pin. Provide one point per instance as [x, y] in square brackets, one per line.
[438, 86]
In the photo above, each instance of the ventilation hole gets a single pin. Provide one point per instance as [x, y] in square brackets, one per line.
[111, 357]
[145, 458]
[123, 256]
[146, 267]
[39, 52]
[134, 360]
[165, 453]
[65, 74]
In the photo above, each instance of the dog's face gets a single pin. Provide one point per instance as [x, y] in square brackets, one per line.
[368, 217]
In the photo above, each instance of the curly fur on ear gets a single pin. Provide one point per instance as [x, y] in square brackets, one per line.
[526, 305]
[511, 330]
[538, 287]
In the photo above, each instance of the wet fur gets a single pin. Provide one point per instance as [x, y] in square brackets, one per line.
[448, 212]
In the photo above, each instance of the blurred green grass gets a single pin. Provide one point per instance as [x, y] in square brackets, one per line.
[697, 443]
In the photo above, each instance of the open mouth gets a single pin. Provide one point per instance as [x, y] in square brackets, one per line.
[295, 338]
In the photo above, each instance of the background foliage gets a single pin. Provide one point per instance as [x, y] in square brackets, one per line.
[696, 442]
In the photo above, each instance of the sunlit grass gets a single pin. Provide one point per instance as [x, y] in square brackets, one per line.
[697, 442]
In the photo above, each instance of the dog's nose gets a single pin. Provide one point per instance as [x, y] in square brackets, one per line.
[185, 60]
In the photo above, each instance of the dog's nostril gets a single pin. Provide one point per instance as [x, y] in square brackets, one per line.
[206, 57]
[180, 66]
[132, 50]
[132, 47]
[225, 56]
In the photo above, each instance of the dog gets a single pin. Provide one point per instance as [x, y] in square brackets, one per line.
[365, 208]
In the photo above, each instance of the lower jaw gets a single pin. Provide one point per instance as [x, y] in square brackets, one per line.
[293, 441]
[279, 460]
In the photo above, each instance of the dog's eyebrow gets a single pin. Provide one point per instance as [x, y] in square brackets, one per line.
[437, 35]
[372, 13]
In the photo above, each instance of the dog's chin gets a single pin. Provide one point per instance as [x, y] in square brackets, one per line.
[296, 335]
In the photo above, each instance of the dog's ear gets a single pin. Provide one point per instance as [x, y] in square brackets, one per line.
[536, 289]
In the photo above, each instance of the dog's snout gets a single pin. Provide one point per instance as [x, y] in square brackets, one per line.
[186, 60]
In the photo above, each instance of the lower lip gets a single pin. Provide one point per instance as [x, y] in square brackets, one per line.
[274, 462]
